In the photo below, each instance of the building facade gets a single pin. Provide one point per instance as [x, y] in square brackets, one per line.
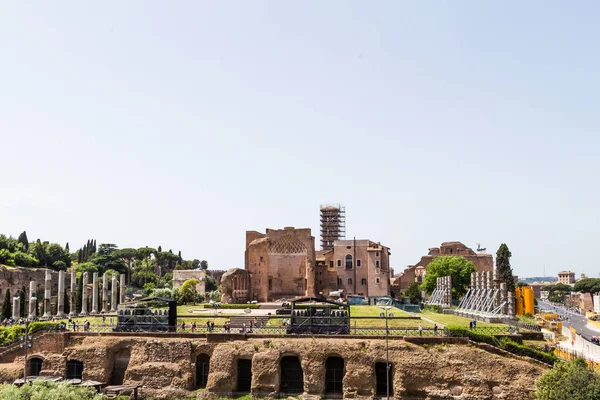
[283, 264]
[566, 277]
[358, 267]
[415, 273]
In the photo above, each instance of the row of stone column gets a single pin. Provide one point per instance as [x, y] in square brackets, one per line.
[60, 313]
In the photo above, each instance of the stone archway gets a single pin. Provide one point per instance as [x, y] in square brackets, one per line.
[202, 370]
[244, 376]
[120, 365]
[334, 375]
[382, 381]
[291, 379]
[35, 366]
[74, 369]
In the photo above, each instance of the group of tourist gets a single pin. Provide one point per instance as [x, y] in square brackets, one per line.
[473, 324]
[595, 340]
[11, 321]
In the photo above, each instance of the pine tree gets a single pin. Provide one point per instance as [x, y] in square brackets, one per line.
[22, 302]
[503, 268]
[7, 305]
[23, 239]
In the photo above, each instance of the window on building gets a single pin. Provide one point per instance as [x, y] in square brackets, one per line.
[261, 258]
[339, 263]
[376, 280]
[377, 264]
[348, 247]
[348, 261]
[331, 264]
[349, 281]
[339, 281]
[270, 284]
[364, 281]
[358, 263]
[376, 254]
[319, 282]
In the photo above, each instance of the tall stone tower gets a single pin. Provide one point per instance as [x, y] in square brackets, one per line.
[333, 225]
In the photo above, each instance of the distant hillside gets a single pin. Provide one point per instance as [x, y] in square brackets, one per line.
[539, 279]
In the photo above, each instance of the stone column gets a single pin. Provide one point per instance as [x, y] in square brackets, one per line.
[16, 308]
[84, 296]
[32, 301]
[104, 293]
[94, 294]
[113, 294]
[60, 307]
[47, 295]
[72, 308]
[122, 289]
[449, 287]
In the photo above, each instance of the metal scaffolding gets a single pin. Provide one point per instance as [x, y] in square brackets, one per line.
[333, 225]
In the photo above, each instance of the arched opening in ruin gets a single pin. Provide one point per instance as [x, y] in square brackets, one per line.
[334, 375]
[74, 369]
[291, 379]
[35, 366]
[120, 367]
[202, 369]
[382, 382]
[244, 376]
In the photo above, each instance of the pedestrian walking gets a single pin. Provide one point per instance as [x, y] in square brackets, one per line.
[193, 326]
[420, 329]
[183, 326]
[435, 330]
[244, 328]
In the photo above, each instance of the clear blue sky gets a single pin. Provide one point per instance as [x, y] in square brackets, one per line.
[184, 124]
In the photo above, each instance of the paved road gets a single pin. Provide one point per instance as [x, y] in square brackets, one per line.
[577, 321]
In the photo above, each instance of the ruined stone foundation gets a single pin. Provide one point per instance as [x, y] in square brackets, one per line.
[178, 366]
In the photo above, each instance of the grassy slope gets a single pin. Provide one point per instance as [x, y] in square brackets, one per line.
[449, 319]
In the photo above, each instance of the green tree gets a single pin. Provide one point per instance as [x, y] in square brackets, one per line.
[211, 284]
[204, 264]
[195, 264]
[24, 260]
[558, 292]
[187, 292]
[38, 250]
[179, 258]
[503, 268]
[128, 255]
[459, 268]
[6, 311]
[568, 381]
[23, 239]
[413, 292]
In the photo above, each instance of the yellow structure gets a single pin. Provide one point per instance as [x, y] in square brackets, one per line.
[524, 301]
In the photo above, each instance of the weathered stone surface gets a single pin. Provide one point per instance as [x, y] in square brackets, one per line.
[166, 365]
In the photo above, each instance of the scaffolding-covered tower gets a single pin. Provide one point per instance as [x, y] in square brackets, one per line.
[333, 225]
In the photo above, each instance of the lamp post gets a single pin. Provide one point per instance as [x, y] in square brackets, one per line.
[26, 343]
[387, 316]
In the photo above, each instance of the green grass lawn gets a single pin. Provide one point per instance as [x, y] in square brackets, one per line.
[451, 319]
[374, 311]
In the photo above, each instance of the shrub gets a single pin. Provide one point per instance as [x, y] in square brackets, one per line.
[48, 390]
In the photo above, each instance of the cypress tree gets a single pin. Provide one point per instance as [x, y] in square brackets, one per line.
[180, 259]
[67, 307]
[503, 268]
[79, 253]
[67, 248]
[78, 293]
[23, 239]
[7, 305]
[22, 302]
[159, 249]
[95, 249]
